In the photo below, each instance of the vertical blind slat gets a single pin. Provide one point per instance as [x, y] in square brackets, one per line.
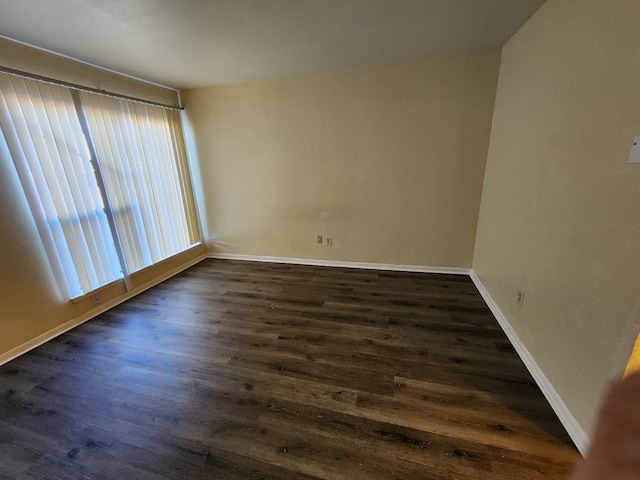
[170, 178]
[180, 152]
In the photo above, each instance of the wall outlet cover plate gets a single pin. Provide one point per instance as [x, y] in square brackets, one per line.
[634, 156]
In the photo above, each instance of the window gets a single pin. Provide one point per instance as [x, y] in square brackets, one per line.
[106, 180]
[144, 168]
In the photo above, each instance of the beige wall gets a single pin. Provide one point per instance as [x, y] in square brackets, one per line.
[559, 216]
[388, 160]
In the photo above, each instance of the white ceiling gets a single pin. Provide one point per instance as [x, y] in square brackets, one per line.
[197, 43]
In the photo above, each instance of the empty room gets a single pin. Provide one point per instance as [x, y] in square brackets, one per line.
[318, 239]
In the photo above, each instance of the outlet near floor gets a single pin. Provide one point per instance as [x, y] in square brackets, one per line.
[95, 299]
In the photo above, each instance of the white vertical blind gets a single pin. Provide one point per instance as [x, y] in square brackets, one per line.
[43, 134]
[145, 177]
[142, 184]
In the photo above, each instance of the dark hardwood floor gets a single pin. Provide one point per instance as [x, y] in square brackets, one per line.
[239, 370]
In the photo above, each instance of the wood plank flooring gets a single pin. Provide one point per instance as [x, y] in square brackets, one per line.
[240, 370]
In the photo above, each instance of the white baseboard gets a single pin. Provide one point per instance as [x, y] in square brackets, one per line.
[575, 431]
[74, 322]
[342, 264]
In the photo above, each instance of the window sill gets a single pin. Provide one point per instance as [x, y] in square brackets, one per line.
[120, 281]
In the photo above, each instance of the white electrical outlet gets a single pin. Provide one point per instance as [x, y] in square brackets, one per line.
[329, 241]
[95, 299]
[634, 156]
